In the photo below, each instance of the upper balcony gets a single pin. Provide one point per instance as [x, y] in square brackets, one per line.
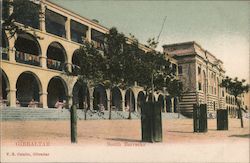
[27, 49]
[56, 57]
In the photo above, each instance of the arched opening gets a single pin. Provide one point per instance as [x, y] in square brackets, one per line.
[218, 87]
[28, 87]
[169, 104]
[140, 100]
[27, 49]
[5, 46]
[4, 89]
[100, 101]
[150, 97]
[56, 56]
[76, 62]
[116, 99]
[130, 100]
[81, 96]
[204, 81]
[57, 92]
[161, 101]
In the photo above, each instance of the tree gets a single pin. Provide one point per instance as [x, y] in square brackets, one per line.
[19, 11]
[236, 88]
[175, 89]
[114, 54]
[90, 68]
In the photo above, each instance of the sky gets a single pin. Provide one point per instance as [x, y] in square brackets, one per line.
[221, 27]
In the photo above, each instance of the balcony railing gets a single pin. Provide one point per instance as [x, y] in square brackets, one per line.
[4, 54]
[26, 58]
[55, 65]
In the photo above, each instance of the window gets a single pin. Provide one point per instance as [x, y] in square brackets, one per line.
[180, 69]
[199, 70]
[55, 23]
[199, 85]
[77, 31]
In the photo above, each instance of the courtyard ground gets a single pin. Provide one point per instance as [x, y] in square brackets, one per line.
[177, 134]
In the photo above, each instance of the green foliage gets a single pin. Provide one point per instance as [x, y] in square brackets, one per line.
[92, 64]
[234, 86]
[114, 54]
[25, 12]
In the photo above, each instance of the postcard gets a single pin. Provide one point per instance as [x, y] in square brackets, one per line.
[124, 81]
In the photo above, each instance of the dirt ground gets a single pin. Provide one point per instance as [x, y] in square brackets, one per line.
[113, 132]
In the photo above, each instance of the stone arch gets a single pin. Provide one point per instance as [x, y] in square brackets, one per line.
[28, 88]
[57, 91]
[161, 101]
[27, 43]
[141, 99]
[100, 98]
[218, 86]
[130, 100]
[150, 97]
[116, 99]
[56, 56]
[28, 49]
[5, 85]
[76, 62]
[81, 97]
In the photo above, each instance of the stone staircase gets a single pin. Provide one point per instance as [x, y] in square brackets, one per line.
[22, 113]
[186, 104]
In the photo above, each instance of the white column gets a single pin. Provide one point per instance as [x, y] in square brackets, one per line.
[43, 99]
[12, 97]
[69, 101]
[108, 99]
[88, 35]
[67, 28]
[42, 17]
[172, 107]
[136, 107]
[11, 52]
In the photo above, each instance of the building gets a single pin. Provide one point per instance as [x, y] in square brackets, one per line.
[231, 105]
[201, 73]
[33, 64]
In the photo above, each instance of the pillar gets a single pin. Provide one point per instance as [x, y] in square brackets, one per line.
[69, 101]
[108, 92]
[67, 28]
[88, 35]
[165, 104]
[43, 61]
[11, 7]
[136, 107]
[12, 97]
[172, 107]
[11, 52]
[42, 17]
[43, 99]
